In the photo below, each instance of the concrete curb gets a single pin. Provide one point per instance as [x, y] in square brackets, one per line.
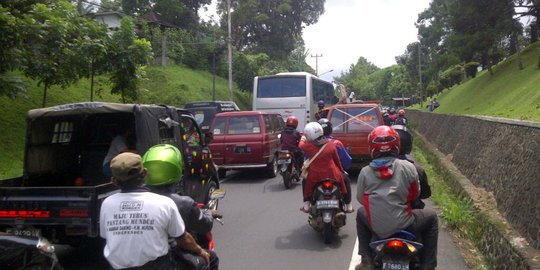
[503, 247]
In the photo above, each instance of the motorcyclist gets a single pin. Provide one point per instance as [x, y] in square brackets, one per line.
[290, 138]
[154, 221]
[401, 119]
[386, 189]
[325, 165]
[344, 157]
[405, 141]
[164, 164]
[392, 115]
[321, 113]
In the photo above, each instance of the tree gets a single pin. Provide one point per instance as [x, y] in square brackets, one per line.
[11, 38]
[270, 26]
[183, 13]
[530, 8]
[56, 33]
[127, 55]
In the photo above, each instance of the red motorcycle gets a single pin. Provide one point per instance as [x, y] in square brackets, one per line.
[289, 167]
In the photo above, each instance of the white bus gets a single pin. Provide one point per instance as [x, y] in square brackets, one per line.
[292, 93]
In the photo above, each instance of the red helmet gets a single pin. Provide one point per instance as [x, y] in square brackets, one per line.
[401, 112]
[292, 121]
[383, 141]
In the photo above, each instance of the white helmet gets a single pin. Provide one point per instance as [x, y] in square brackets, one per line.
[313, 131]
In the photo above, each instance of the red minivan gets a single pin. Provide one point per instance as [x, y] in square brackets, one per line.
[246, 139]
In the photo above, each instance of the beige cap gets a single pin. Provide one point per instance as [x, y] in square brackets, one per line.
[126, 166]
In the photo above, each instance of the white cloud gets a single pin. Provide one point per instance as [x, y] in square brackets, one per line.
[377, 30]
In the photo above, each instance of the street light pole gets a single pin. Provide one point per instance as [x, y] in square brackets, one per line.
[229, 47]
[319, 75]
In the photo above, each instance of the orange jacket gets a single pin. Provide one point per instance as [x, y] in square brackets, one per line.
[326, 165]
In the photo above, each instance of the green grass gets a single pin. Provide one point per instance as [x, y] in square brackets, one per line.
[458, 214]
[508, 93]
[172, 85]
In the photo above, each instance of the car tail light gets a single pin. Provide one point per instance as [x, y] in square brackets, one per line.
[73, 213]
[25, 213]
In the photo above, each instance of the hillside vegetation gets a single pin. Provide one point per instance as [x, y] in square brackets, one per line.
[172, 85]
[510, 92]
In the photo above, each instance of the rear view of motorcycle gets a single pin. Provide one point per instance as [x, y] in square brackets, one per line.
[288, 168]
[327, 213]
[400, 251]
[27, 253]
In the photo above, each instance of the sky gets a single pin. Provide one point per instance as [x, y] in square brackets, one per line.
[378, 30]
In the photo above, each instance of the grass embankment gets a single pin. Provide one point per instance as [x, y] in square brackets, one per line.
[172, 85]
[510, 92]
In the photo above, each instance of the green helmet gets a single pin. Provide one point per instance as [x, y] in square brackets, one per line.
[164, 164]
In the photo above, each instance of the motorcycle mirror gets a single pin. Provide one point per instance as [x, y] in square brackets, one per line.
[217, 194]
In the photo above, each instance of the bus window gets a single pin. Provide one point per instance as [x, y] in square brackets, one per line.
[281, 87]
[322, 90]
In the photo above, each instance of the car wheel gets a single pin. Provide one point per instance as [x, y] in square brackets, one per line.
[272, 168]
[222, 173]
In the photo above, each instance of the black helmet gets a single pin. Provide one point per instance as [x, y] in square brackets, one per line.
[406, 139]
[326, 125]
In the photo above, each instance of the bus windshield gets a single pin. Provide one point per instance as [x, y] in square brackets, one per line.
[277, 87]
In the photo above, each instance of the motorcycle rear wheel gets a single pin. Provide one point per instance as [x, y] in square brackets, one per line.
[287, 179]
[327, 233]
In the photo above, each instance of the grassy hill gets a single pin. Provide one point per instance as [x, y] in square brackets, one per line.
[509, 93]
[173, 85]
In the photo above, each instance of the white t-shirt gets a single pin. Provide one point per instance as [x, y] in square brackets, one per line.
[118, 145]
[137, 226]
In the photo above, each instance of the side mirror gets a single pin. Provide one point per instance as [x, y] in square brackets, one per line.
[208, 137]
[217, 194]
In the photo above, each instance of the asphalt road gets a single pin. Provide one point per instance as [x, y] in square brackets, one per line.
[264, 229]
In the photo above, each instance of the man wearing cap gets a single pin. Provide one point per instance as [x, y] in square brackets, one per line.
[137, 224]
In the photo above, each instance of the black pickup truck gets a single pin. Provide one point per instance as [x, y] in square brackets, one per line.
[62, 187]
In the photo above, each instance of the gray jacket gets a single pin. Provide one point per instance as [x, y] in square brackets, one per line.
[386, 189]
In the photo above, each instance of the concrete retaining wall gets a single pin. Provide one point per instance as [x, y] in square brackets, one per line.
[497, 157]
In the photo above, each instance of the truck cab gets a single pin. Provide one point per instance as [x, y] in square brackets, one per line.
[60, 192]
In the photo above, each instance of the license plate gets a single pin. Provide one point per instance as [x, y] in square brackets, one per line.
[326, 204]
[395, 265]
[283, 161]
[24, 232]
[242, 149]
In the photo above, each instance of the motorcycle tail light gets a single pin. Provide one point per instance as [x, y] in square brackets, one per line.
[284, 155]
[395, 244]
[327, 184]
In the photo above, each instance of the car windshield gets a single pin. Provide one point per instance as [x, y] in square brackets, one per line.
[244, 125]
[354, 120]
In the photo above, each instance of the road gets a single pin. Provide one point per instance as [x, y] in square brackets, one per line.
[264, 229]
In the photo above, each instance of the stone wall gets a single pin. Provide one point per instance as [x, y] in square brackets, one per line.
[499, 160]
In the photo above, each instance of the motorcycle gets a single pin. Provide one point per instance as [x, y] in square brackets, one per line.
[400, 251]
[206, 241]
[27, 252]
[327, 213]
[288, 168]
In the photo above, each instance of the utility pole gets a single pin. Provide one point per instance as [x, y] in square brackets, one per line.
[420, 76]
[317, 63]
[229, 46]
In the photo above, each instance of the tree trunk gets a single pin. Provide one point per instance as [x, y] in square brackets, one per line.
[45, 87]
[92, 73]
